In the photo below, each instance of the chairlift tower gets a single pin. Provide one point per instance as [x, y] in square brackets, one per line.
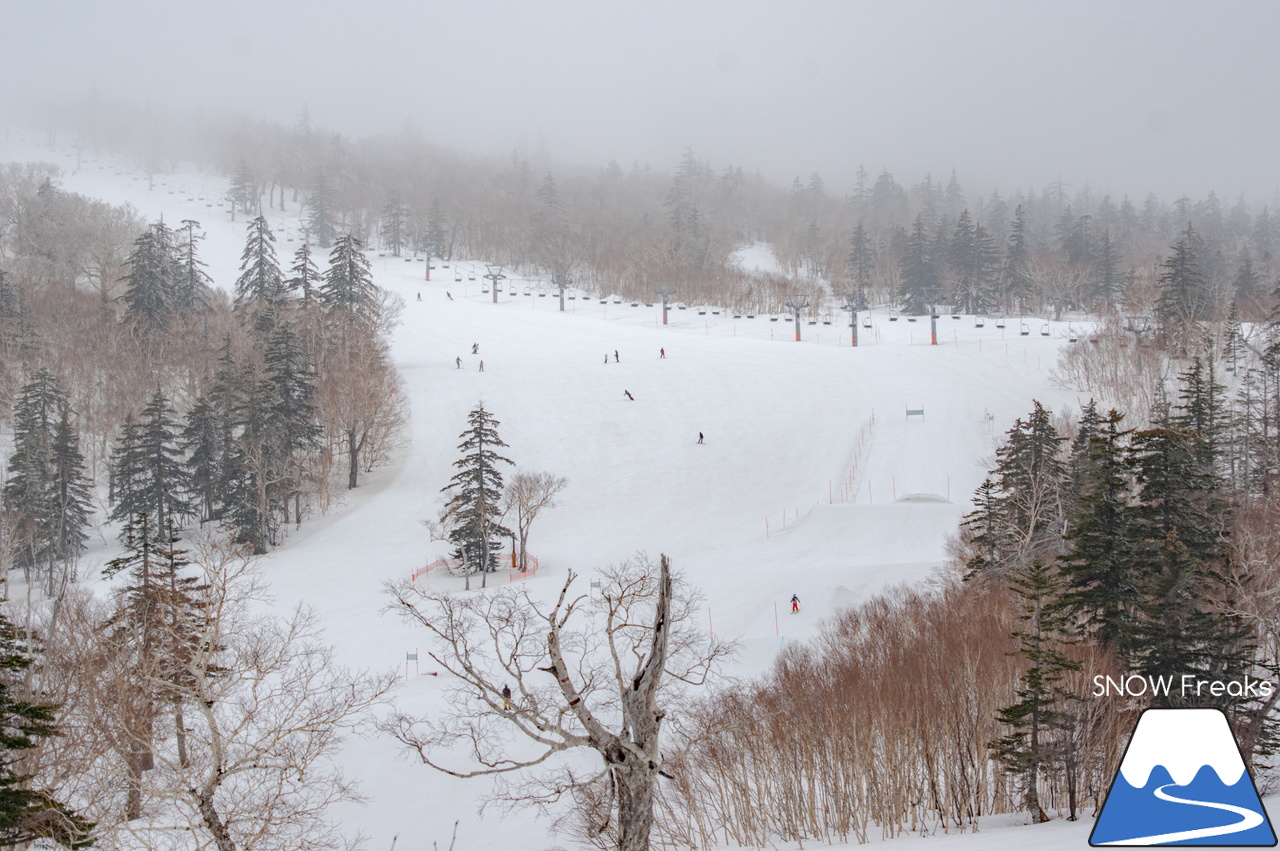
[851, 305]
[665, 291]
[495, 275]
[933, 294]
[797, 303]
[561, 281]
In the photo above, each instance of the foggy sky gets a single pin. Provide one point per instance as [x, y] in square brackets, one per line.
[1176, 98]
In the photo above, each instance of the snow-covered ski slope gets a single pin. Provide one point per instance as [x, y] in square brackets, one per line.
[812, 479]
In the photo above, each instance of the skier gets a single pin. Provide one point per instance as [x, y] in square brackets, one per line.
[446, 292]
[662, 354]
[795, 604]
[616, 359]
[506, 697]
[419, 296]
[606, 357]
[482, 366]
[475, 348]
[457, 363]
[699, 437]
[627, 393]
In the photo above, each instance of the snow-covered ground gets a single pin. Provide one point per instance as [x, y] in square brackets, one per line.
[812, 479]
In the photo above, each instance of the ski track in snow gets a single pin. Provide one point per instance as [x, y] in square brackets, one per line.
[780, 419]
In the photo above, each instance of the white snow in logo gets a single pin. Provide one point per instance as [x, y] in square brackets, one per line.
[1183, 741]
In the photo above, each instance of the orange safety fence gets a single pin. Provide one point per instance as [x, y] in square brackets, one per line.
[453, 564]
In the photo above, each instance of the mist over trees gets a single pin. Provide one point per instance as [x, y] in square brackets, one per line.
[624, 226]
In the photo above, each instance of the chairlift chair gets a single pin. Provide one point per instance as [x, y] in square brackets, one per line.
[911, 319]
[1000, 322]
[866, 322]
[1023, 330]
[471, 276]
[1044, 330]
[773, 319]
[457, 277]
[1072, 336]
[979, 322]
[617, 300]
[893, 317]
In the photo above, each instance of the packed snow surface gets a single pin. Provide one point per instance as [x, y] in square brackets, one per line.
[812, 479]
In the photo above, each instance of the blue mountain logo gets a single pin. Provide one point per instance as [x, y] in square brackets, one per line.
[1183, 782]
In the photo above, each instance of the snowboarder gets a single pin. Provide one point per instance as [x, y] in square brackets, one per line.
[457, 363]
[699, 437]
[795, 604]
[446, 292]
[475, 348]
[627, 393]
[662, 354]
[506, 697]
[482, 366]
[606, 357]
[616, 359]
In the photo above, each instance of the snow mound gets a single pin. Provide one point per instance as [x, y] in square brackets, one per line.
[923, 497]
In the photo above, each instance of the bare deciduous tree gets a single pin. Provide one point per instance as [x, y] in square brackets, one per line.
[528, 493]
[266, 710]
[589, 671]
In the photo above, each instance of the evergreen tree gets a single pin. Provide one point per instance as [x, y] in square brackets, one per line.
[250, 488]
[1184, 286]
[28, 814]
[1181, 526]
[244, 190]
[1202, 413]
[972, 258]
[202, 445]
[151, 282]
[72, 503]
[1020, 511]
[304, 277]
[395, 223]
[1034, 720]
[290, 381]
[46, 494]
[148, 474]
[436, 239]
[1247, 283]
[1107, 282]
[1017, 282]
[1100, 568]
[321, 222]
[261, 283]
[919, 276]
[472, 510]
[860, 263]
[191, 290]
[348, 291]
